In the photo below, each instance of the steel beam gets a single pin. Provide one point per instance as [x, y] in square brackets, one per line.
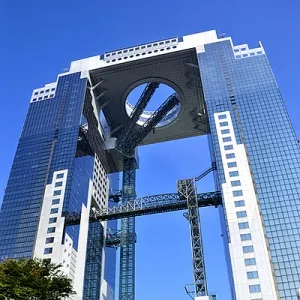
[137, 137]
[187, 190]
[137, 112]
[146, 206]
[213, 167]
[155, 204]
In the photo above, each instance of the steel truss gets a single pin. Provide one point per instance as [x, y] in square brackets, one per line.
[155, 204]
[187, 190]
[137, 112]
[146, 206]
[137, 136]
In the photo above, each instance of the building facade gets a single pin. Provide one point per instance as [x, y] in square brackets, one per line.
[257, 156]
[54, 173]
[64, 156]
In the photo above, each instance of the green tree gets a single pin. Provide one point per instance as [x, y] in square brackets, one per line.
[33, 279]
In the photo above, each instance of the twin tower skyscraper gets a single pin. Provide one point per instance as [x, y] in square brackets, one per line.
[67, 161]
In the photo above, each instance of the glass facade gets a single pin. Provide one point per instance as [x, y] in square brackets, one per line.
[49, 143]
[246, 88]
[93, 267]
[111, 253]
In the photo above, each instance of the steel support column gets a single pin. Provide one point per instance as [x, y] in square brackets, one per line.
[127, 249]
[187, 190]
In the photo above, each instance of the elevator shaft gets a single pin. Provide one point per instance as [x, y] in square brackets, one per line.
[127, 247]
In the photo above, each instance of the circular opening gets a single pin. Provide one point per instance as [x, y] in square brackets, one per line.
[158, 98]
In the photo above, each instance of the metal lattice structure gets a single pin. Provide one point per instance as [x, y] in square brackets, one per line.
[136, 112]
[127, 249]
[147, 205]
[187, 190]
[137, 136]
[155, 204]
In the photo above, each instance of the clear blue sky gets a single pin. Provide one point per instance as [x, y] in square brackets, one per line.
[40, 38]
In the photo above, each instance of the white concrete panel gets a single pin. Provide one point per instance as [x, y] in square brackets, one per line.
[82, 243]
[204, 298]
[253, 218]
[197, 41]
[45, 93]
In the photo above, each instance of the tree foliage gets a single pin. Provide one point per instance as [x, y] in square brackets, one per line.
[33, 279]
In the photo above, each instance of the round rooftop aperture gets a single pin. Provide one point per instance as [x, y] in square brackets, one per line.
[160, 93]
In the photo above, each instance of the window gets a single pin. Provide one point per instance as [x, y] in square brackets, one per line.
[53, 89]
[232, 164]
[252, 275]
[243, 225]
[248, 249]
[41, 92]
[36, 93]
[246, 237]
[54, 211]
[236, 183]
[45, 97]
[58, 184]
[239, 203]
[40, 98]
[49, 240]
[55, 201]
[52, 220]
[250, 262]
[51, 230]
[225, 131]
[47, 91]
[52, 95]
[241, 214]
[237, 193]
[56, 193]
[48, 250]
[227, 139]
[230, 155]
[222, 117]
[223, 124]
[255, 288]
[233, 173]
[228, 147]
[60, 175]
